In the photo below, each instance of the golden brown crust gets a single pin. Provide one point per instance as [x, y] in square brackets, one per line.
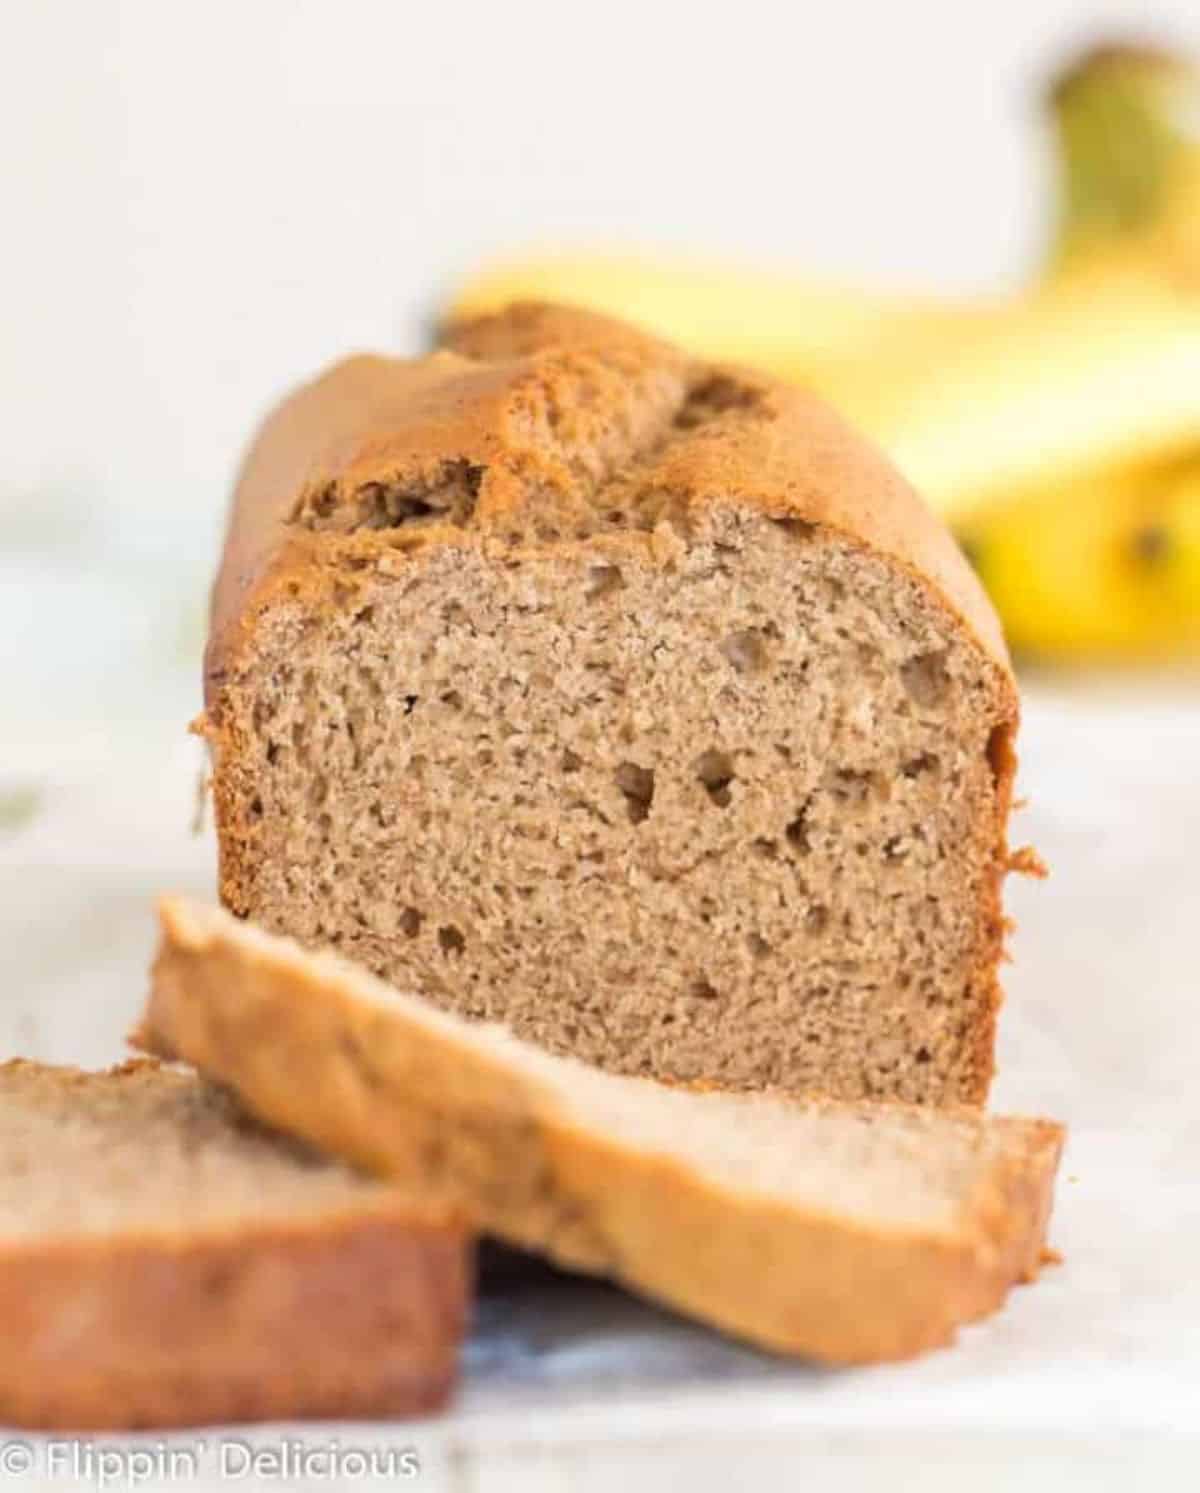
[408, 1099]
[357, 1313]
[551, 376]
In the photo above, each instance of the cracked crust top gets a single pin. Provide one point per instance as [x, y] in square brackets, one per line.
[549, 423]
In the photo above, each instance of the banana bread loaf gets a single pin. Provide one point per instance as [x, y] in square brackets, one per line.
[631, 701]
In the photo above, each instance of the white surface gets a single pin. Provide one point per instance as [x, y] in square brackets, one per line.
[1092, 1376]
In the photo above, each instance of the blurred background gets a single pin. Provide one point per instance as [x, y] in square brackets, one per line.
[976, 228]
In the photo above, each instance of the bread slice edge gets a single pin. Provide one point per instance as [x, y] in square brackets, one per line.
[356, 1310]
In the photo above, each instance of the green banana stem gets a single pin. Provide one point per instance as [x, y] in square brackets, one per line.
[1126, 121]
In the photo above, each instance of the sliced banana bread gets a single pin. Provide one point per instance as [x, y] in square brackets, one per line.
[165, 1261]
[845, 1232]
[630, 701]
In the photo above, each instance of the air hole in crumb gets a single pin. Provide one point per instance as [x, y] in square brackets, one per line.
[816, 919]
[364, 614]
[603, 580]
[797, 831]
[272, 753]
[637, 784]
[410, 703]
[410, 922]
[768, 849]
[256, 807]
[715, 771]
[1000, 754]
[895, 849]
[451, 941]
[451, 698]
[703, 991]
[745, 650]
[570, 762]
[925, 678]
[915, 767]
[757, 945]
[923, 1055]
[857, 789]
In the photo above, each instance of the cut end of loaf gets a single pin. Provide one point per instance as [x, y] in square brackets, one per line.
[731, 817]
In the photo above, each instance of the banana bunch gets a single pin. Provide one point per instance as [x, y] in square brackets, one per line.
[1057, 429]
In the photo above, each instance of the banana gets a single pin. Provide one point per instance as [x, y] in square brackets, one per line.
[1084, 375]
[1107, 569]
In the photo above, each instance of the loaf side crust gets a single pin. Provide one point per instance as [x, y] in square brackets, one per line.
[403, 1097]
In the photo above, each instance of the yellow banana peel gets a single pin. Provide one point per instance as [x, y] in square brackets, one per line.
[1083, 375]
[1107, 569]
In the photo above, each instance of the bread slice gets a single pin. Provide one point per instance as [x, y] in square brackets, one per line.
[165, 1261]
[844, 1232]
[629, 701]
